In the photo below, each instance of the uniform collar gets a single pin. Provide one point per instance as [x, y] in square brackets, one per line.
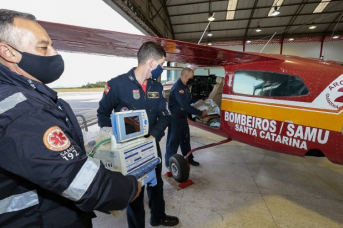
[10, 77]
[181, 84]
[45, 90]
[132, 77]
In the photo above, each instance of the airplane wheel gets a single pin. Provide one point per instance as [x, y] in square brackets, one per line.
[179, 168]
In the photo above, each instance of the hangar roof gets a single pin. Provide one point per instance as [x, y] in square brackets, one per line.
[186, 20]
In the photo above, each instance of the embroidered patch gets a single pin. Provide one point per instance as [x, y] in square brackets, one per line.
[153, 95]
[124, 109]
[107, 88]
[136, 94]
[70, 153]
[181, 91]
[54, 139]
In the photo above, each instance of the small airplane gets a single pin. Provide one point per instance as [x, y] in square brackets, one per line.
[286, 104]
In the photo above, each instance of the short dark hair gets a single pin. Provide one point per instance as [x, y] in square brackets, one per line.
[150, 50]
[7, 26]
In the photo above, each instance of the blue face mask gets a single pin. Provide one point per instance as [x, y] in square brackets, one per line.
[156, 73]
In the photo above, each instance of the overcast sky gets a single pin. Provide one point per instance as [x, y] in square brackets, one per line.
[81, 68]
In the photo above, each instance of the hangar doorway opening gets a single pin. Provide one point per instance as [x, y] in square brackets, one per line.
[207, 88]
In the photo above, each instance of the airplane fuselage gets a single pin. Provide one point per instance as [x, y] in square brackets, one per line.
[308, 118]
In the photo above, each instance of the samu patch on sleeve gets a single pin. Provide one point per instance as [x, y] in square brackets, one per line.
[54, 139]
[181, 91]
[107, 88]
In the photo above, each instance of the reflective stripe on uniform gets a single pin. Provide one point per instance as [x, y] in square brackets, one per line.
[18, 202]
[169, 113]
[83, 179]
[11, 101]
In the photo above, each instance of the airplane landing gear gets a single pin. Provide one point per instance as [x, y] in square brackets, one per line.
[179, 168]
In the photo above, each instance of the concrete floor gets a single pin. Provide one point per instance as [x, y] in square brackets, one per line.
[237, 185]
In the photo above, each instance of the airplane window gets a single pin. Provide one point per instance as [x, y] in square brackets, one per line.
[170, 77]
[270, 84]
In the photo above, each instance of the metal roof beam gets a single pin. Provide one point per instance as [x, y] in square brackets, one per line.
[265, 27]
[249, 22]
[296, 15]
[194, 3]
[130, 8]
[164, 5]
[330, 27]
[157, 13]
[240, 9]
[255, 18]
[259, 37]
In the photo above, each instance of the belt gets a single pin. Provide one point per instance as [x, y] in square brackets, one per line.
[176, 115]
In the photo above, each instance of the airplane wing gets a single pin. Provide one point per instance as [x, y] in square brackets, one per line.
[104, 42]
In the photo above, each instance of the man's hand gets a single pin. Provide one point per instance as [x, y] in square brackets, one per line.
[139, 189]
[204, 113]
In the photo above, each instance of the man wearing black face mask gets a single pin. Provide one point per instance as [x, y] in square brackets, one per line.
[180, 101]
[46, 178]
[136, 90]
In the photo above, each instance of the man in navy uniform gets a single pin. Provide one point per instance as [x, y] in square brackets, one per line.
[46, 178]
[137, 89]
[180, 101]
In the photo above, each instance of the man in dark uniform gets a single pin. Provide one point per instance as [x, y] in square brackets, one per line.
[46, 178]
[180, 101]
[136, 90]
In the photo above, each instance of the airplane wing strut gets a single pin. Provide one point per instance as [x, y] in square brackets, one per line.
[207, 146]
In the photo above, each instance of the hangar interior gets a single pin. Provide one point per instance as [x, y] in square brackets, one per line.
[309, 28]
[237, 185]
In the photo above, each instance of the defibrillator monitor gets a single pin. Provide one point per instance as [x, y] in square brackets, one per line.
[129, 125]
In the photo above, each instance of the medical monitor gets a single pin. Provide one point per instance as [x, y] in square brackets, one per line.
[129, 125]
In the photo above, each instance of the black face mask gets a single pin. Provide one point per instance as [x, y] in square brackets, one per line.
[46, 69]
[190, 81]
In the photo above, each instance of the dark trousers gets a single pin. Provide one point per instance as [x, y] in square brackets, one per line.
[178, 135]
[135, 210]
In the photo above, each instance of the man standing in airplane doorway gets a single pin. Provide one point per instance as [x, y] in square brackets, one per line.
[180, 101]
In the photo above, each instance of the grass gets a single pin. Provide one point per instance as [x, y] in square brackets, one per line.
[80, 90]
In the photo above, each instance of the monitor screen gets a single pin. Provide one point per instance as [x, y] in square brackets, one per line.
[129, 125]
[132, 124]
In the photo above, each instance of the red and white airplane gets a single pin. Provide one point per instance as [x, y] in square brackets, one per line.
[286, 104]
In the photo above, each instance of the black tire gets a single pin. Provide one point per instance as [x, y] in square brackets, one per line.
[179, 168]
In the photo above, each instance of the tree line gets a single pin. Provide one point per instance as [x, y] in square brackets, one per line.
[94, 85]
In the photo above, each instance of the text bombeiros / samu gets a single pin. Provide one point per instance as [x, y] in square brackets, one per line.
[280, 132]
